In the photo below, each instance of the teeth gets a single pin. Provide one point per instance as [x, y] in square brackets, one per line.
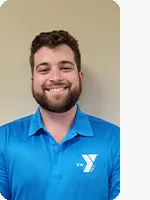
[56, 89]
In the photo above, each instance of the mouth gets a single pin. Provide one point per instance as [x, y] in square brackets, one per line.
[57, 89]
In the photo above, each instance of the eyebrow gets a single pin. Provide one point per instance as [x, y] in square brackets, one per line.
[60, 63]
[41, 64]
[66, 62]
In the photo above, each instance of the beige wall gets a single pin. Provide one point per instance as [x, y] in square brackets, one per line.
[94, 23]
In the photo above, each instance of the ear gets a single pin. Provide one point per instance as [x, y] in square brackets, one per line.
[32, 78]
[81, 74]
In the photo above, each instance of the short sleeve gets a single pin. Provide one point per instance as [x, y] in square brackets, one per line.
[114, 179]
[4, 185]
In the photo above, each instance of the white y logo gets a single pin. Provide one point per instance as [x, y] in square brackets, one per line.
[89, 159]
[1, 197]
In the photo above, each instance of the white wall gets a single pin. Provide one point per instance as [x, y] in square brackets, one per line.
[96, 24]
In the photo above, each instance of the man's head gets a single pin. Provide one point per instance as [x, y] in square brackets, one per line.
[56, 70]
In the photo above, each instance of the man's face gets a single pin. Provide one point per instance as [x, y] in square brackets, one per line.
[56, 84]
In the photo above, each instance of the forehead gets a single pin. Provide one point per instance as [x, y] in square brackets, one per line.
[57, 54]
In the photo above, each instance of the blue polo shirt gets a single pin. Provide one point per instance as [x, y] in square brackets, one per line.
[85, 165]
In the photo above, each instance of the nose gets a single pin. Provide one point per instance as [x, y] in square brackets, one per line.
[55, 75]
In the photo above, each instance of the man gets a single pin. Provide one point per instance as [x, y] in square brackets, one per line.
[58, 153]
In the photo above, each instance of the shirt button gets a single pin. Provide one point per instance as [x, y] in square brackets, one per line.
[55, 160]
[53, 143]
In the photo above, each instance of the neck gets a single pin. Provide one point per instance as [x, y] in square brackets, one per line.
[56, 121]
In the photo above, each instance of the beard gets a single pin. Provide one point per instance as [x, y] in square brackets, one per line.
[58, 103]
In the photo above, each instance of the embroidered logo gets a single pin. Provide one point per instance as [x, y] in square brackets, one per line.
[1, 197]
[89, 159]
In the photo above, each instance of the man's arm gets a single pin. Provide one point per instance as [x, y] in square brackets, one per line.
[114, 179]
[4, 185]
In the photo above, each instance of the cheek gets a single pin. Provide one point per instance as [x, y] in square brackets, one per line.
[73, 78]
[75, 82]
[38, 81]
[36, 85]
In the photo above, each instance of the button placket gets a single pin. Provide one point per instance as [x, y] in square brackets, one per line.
[56, 170]
[53, 143]
[56, 154]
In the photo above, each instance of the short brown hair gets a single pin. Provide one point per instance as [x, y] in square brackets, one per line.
[53, 39]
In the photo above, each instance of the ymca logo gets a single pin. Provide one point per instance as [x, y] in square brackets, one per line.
[89, 159]
[1, 197]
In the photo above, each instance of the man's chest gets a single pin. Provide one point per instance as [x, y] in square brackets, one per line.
[76, 162]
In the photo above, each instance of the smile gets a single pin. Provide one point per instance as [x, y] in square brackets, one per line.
[57, 89]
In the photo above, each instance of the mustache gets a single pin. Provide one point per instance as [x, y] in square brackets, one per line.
[56, 84]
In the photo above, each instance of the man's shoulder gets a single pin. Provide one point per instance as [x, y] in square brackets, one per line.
[11, 129]
[17, 122]
[102, 126]
[101, 122]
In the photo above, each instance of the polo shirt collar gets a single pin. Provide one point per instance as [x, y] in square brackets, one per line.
[36, 123]
[81, 124]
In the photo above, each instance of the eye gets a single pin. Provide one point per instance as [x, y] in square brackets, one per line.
[66, 68]
[44, 70]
